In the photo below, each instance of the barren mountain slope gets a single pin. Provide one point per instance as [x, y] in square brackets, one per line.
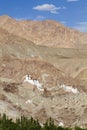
[20, 98]
[48, 33]
[69, 60]
[60, 71]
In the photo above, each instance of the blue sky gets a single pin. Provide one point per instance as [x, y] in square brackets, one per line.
[72, 13]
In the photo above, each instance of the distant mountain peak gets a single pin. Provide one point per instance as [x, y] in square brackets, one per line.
[46, 33]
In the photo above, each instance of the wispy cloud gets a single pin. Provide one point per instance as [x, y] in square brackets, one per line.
[72, 0]
[48, 7]
[63, 7]
[82, 26]
[22, 18]
[64, 22]
[39, 17]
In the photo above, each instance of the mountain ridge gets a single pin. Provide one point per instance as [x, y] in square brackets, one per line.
[45, 33]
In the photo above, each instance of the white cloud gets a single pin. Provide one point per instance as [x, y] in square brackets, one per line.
[48, 7]
[82, 26]
[72, 0]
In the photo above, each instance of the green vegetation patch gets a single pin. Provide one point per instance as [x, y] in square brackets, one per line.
[29, 124]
